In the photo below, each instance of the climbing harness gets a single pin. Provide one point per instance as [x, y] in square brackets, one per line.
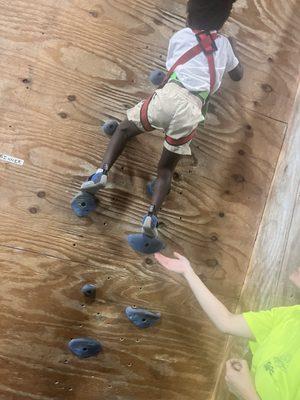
[206, 44]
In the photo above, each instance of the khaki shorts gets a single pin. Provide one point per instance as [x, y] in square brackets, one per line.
[174, 110]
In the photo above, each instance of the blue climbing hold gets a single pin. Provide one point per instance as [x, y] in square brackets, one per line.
[145, 244]
[89, 290]
[157, 77]
[83, 204]
[84, 347]
[150, 188]
[142, 318]
[110, 126]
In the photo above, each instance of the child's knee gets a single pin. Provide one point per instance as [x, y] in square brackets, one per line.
[128, 129]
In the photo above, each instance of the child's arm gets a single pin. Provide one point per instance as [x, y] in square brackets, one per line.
[223, 319]
[238, 72]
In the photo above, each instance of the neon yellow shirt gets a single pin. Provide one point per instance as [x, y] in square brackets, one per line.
[276, 352]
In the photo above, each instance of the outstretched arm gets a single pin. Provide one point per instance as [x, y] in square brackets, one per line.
[222, 318]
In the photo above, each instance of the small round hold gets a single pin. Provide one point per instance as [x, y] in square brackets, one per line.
[157, 77]
[110, 126]
[89, 290]
[83, 204]
[84, 347]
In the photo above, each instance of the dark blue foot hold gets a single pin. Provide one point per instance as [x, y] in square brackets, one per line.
[142, 318]
[110, 126]
[83, 204]
[157, 77]
[84, 347]
[150, 188]
[145, 244]
[89, 290]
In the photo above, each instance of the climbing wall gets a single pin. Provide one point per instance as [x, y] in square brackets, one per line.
[66, 66]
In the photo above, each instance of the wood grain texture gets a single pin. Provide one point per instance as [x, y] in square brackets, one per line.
[277, 249]
[42, 309]
[66, 66]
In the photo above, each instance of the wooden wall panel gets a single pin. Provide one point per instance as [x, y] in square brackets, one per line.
[42, 309]
[276, 252]
[65, 67]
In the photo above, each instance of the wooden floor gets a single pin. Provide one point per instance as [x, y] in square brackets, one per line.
[66, 66]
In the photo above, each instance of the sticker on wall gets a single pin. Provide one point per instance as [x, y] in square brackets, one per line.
[10, 159]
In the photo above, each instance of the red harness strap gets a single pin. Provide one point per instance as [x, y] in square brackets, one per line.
[208, 47]
[181, 141]
[144, 115]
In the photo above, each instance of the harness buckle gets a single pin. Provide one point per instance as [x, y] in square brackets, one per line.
[206, 42]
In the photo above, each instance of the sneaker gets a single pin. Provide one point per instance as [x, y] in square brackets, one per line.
[95, 182]
[150, 225]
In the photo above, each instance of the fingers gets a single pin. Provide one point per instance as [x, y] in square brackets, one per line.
[236, 364]
[179, 256]
[163, 260]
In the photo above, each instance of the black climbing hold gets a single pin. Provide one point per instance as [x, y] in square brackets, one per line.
[157, 77]
[84, 347]
[83, 204]
[110, 126]
[142, 318]
[89, 290]
[145, 244]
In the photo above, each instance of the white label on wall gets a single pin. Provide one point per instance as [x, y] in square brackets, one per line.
[10, 159]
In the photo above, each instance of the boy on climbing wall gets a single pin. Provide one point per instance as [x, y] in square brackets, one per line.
[197, 59]
[274, 340]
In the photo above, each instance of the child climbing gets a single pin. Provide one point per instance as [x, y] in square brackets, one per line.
[198, 57]
[274, 335]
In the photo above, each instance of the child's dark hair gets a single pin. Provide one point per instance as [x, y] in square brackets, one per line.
[208, 15]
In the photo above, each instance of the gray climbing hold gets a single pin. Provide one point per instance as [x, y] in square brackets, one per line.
[157, 77]
[145, 244]
[142, 318]
[89, 290]
[85, 347]
[110, 126]
[83, 204]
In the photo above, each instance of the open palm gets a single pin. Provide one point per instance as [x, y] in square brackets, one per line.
[180, 264]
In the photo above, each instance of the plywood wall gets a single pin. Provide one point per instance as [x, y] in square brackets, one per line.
[66, 66]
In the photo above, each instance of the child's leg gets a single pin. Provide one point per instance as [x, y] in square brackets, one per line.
[125, 131]
[165, 171]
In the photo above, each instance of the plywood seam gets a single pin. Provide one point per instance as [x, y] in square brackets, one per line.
[40, 253]
[229, 340]
[286, 239]
[264, 115]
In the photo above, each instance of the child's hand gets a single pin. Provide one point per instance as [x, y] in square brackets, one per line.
[239, 381]
[180, 264]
